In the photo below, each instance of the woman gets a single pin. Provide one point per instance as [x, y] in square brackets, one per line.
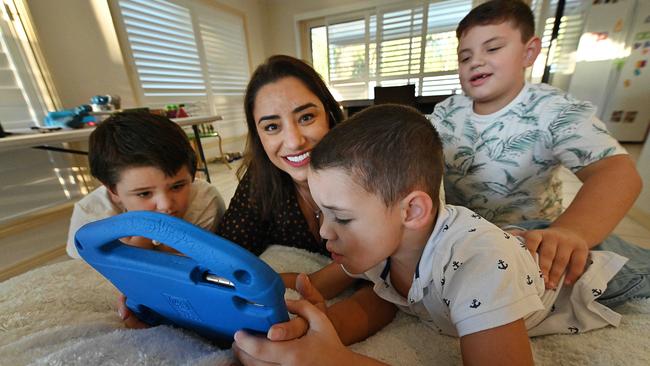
[288, 110]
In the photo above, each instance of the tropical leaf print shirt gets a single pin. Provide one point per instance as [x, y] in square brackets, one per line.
[504, 165]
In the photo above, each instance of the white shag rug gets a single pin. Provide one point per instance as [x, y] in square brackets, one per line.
[64, 314]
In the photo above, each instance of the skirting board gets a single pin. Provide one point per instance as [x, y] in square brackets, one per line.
[31, 263]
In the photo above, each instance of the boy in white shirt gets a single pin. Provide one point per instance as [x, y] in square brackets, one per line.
[145, 163]
[505, 141]
[376, 179]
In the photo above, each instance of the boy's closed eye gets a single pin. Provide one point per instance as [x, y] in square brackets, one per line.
[143, 194]
[178, 186]
[342, 221]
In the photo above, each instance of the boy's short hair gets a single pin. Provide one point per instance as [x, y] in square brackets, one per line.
[127, 140]
[497, 12]
[389, 150]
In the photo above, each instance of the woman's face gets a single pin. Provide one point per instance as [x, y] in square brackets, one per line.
[290, 121]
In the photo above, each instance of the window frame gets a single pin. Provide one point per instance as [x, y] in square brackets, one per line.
[304, 24]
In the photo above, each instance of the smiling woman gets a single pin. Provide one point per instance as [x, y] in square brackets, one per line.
[288, 111]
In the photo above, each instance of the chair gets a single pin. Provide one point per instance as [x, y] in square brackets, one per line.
[404, 94]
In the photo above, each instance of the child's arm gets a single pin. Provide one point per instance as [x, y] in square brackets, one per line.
[504, 345]
[330, 280]
[610, 187]
[319, 346]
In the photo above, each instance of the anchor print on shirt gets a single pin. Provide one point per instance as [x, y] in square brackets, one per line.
[446, 301]
[573, 330]
[475, 304]
[456, 264]
[476, 216]
[529, 280]
[471, 230]
[442, 282]
[596, 292]
[445, 228]
[502, 264]
[506, 235]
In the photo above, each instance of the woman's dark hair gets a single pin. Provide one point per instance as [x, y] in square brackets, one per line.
[270, 187]
[128, 140]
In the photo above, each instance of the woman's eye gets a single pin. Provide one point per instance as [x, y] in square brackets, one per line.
[271, 127]
[494, 49]
[306, 118]
[146, 194]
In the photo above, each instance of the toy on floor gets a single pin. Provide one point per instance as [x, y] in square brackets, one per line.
[215, 288]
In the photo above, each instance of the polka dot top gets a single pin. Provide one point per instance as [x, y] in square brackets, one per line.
[242, 224]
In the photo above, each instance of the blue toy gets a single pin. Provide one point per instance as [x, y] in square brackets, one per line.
[216, 289]
[70, 118]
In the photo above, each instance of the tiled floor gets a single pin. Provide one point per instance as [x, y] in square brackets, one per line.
[226, 181]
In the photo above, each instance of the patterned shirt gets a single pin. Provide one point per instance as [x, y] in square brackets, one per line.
[504, 165]
[472, 276]
[242, 224]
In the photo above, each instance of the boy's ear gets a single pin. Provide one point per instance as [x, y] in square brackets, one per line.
[532, 49]
[417, 210]
[113, 195]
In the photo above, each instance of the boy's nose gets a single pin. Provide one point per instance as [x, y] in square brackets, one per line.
[325, 231]
[165, 204]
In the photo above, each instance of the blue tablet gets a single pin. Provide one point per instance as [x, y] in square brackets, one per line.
[215, 288]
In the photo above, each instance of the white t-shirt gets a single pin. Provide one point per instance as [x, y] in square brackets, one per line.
[473, 276]
[205, 210]
[504, 165]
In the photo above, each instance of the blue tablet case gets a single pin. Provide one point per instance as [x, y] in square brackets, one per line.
[215, 289]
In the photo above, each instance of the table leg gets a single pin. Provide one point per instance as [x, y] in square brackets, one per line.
[197, 136]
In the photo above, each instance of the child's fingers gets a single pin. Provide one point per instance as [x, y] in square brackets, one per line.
[547, 252]
[130, 320]
[562, 257]
[309, 292]
[317, 320]
[576, 266]
[533, 239]
[244, 357]
[294, 328]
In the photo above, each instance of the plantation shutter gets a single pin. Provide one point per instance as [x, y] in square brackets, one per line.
[441, 59]
[348, 54]
[226, 55]
[164, 51]
[20, 103]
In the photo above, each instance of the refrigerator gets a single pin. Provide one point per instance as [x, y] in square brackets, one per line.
[612, 69]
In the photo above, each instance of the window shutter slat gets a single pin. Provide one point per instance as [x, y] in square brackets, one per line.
[164, 49]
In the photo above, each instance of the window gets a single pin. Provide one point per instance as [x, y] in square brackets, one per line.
[562, 58]
[188, 52]
[22, 103]
[390, 45]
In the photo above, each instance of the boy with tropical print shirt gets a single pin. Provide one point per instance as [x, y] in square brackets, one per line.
[505, 141]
